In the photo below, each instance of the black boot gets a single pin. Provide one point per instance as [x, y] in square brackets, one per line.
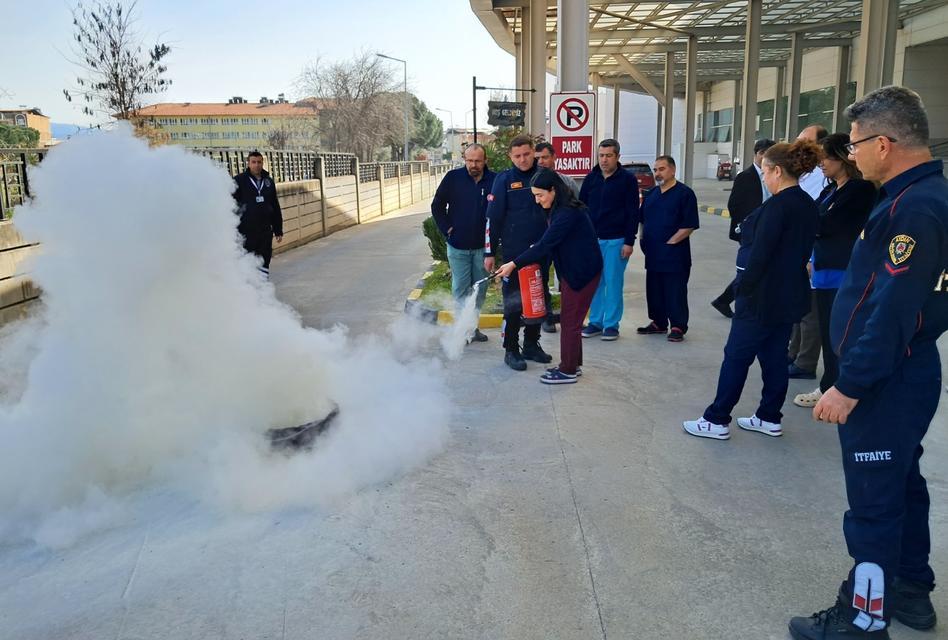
[723, 307]
[532, 351]
[515, 361]
[835, 622]
[911, 604]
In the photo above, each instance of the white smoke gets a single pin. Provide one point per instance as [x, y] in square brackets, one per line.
[160, 358]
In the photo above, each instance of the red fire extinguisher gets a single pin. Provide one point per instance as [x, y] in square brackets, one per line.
[531, 292]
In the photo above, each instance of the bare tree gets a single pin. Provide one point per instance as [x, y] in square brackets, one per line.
[296, 134]
[360, 108]
[116, 73]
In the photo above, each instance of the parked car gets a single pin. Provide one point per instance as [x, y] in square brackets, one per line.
[643, 173]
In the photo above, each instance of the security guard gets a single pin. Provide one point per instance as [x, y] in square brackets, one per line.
[890, 310]
[514, 222]
[259, 209]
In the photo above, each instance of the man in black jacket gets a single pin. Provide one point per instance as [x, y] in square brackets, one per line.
[459, 208]
[259, 209]
[748, 193]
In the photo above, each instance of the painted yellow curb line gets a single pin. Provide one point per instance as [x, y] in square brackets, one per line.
[715, 211]
[486, 320]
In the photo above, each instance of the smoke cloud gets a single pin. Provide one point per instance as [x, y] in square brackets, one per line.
[160, 358]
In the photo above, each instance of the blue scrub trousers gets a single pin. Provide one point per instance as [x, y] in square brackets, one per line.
[607, 305]
[666, 294]
[749, 339]
[887, 520]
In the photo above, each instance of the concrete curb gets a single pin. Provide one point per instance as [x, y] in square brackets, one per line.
[714, 211]
[413, 304]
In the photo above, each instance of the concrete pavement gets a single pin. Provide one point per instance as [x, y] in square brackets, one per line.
[575, 512]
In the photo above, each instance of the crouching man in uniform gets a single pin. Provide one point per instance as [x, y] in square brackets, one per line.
[890, 310]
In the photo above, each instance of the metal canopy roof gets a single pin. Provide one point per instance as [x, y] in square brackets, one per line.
[644, 31]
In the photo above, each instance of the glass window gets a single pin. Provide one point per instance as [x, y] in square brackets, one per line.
[816, 107]
[719, 129]
[765, 120]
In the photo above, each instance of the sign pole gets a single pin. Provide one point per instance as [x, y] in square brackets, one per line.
[474, 95]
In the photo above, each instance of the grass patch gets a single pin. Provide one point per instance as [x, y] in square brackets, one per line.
[437, 291]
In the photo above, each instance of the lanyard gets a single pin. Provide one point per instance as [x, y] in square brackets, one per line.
[259, 187]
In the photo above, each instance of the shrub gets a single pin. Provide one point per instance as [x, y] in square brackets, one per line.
[436, 241]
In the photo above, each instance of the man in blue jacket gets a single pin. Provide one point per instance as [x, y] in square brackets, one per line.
[888, 313]
[612, 195]
[669, 217]
[514, 222]
[459, 208]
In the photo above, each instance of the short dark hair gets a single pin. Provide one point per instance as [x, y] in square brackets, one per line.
[610, 142]
[821, 132]
[519, 141]
[667, 159]
[762, 145]
[893, 111]
[545, 146]
[254, 154]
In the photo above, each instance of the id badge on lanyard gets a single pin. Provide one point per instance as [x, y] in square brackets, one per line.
[259, 188]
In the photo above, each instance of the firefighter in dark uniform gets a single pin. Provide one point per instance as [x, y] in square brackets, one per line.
[514, 222]
[259, 209]
[888, 313]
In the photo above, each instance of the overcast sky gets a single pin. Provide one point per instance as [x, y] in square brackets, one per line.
[222, 49]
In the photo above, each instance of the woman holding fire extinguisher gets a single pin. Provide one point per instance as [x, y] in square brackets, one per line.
[571, 241]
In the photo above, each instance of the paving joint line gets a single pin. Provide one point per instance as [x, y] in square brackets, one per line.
[579, 519]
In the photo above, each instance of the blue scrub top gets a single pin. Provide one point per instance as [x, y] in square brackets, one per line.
[663, 214]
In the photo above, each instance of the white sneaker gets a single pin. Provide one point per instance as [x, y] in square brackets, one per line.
[760, 426]
[808, 400]
[704, 429]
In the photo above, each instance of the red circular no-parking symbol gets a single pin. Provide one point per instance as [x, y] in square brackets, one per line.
[572, 114]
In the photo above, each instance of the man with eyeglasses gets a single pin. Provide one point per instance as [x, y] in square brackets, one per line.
[888, 314]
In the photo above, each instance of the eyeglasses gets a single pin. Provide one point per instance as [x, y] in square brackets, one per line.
[851, 147]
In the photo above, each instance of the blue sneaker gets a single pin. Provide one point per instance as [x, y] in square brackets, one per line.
[579, 371]
[555, 376]
[610, 334]
[591, 331]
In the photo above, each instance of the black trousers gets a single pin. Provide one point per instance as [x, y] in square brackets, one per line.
[260, 243]
[824, 305]
[666, 294]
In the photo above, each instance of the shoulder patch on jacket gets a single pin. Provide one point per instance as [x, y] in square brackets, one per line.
[516, 185]
[900, 249]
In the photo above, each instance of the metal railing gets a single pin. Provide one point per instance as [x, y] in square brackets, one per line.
[14, 178]
[290, 166]
[283, 166]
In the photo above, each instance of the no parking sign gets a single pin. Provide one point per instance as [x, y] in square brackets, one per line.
[572, 131]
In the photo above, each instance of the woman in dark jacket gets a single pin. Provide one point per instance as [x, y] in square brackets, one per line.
[571, 241]
[845, 206]
[773, 292]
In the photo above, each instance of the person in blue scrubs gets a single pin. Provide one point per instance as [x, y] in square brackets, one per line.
[612, 195]
[773, 292]
[669, 216]
[891, 308]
